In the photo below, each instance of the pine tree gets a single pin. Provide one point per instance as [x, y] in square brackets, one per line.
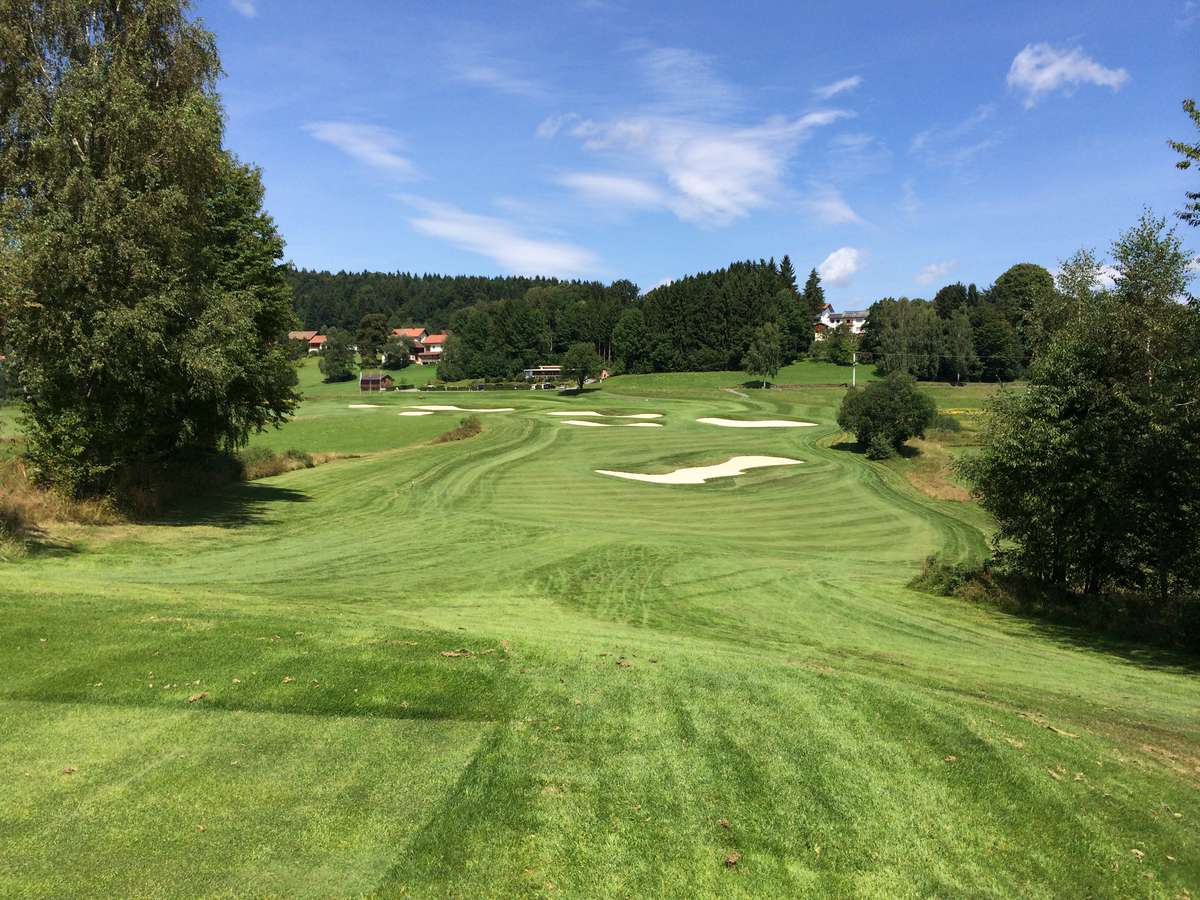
[787, 275]
[814, 295]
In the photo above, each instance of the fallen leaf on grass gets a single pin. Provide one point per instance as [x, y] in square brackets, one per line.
[732, 859]
[950, 758]
[551, 789]
[724, 823]
[1138, 854]
[1014, 742]
[200, 696]
[237, 681]
[453, 654]
[1054, 775]
[623, 663]
[288, 679]
[69, 770]
[200, 828]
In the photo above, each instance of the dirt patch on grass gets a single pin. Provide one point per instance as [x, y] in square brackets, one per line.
[931, 471]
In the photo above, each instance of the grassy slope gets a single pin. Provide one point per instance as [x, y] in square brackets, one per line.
[859, 738]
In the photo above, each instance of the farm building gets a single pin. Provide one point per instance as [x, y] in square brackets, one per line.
[317, 343]
[828, 320]
[375, 382]
[432, 348]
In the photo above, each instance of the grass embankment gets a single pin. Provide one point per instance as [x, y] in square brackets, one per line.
[654, 678]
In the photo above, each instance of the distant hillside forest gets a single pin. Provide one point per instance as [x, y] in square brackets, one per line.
[707, 321]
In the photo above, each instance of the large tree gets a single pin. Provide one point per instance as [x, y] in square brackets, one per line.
[1093, 473]
[139, 279]
[813, 295]
[337, 356]
[581, 362]
[371, 336]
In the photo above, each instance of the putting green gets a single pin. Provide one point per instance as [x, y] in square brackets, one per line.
[477, 668]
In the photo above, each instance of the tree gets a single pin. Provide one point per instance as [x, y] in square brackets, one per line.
[765, 355]
[839, 345]
[1191, 157]
[787, 276]
[1017, 293]
[337, 357]
[397, 352]
[904, 336]
[140, 289]
[796, 325]
[886, 414]
[630, 340]
[950, 300]
[959, 361]
[581, 362]
[372, 335]
[997, 345]
[814, 295]
[1093, 473]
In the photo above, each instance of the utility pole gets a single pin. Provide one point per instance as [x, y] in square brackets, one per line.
[853, 368]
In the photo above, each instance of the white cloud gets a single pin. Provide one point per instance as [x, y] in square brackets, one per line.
[619, 190]
[909, 201]
[685, 82]
[828, 205]
[550, 127]
[495, 77]
[826, 91]
[935, 271]
[501, 241]
[1041, 69]
[954, 146]
[840, 265]
[246, 7]
[374, 145]
[712, 174]
[662, 283]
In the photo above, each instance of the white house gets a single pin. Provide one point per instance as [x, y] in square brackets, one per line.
[828, 320]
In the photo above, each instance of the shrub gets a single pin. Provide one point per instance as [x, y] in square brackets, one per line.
[259, 462]
[468, 427]
[947, 423]
[886, 414]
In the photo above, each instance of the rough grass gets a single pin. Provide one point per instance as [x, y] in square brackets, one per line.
[466, 428]
[479, 669]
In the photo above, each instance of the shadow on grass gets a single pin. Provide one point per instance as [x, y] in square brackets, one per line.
[575, 392]
[904, 451]
[245, 503]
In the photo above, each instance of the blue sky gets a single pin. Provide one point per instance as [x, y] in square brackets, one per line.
[894, 146]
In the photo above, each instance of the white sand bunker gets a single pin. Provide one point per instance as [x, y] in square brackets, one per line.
[365, 406]
[757, 423]
[416, 412]
[588, 413]
[462, 409]
[700, 474]
[588, 424]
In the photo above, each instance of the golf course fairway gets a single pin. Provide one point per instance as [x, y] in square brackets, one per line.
[478, 668]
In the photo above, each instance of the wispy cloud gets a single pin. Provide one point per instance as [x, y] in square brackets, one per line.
[825, 91]
[840, 265]
[497, 78]
[705, 173]
[1189, 15]
[1040, 69]
[827, 204]
[373, 145]
[618, 190]
[550, 127]
[935, 271]
[247, 8]
[956, 145]
[909, 201]
[685, 81]
[501, 241]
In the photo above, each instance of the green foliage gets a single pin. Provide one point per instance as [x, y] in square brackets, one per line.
[904, 336]
[631, 342]
[580, 363]
[886, 413]
[1093, 473]
[372, 335]
[140, 287]
[839, 345]
[1191, 157]
[1018, 292]
[397, 352]
[813, 295]
[959, 361]
[467, 427]
[951, 300]
[337, 361]
[997, 344]
[765, 356]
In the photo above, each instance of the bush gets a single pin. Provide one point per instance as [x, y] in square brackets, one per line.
[886, 414]
[943, 422]
[259, 462]
[468, 427]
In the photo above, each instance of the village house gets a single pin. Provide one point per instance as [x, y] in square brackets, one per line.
[433, 345]
[417, 338]
[317, 343]
[829, 320]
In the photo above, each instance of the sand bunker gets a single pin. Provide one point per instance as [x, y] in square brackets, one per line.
[700, 474]
[588, 424]
[596, 415]
[365, 406]
[416, 412]
[757, 423]
[461, 409]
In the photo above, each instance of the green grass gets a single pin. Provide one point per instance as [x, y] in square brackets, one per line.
[643, 662]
